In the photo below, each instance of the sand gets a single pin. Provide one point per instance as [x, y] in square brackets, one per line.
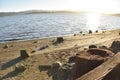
[9, 57]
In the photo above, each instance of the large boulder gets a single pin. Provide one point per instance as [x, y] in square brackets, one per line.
[115, 47]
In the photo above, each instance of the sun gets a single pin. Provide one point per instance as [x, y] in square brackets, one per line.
[101, 6]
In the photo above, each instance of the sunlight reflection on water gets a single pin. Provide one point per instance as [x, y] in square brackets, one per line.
[93, 21]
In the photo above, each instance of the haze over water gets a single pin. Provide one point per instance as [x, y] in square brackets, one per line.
[22, 27]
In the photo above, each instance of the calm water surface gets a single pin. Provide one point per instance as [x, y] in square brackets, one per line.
[31, 26]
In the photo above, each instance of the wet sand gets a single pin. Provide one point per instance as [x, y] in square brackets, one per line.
[9, 57]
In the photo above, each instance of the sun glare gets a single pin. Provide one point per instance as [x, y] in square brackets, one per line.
[93, 21]
[101, 6]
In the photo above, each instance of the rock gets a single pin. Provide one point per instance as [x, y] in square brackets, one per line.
[35, 42]
[81, 32]
[23, 54]
[92, 46]
[106, 48]
[56, 65]
[6, 46]
[61, 72]
[96, 31]
[103, 47]
[20, 67]
[44, 47]
[115, 47]
[90, 32]
[71, 59]
[60, 40]
[103, 31]
[33, 51]
[44, 67]
[74, 34]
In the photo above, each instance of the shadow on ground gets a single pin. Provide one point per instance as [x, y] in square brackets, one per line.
[11, 63]
[11, 74]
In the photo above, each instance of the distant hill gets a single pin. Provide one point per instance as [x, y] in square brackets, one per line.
[115, 14]
[44, 11]
[33, 12]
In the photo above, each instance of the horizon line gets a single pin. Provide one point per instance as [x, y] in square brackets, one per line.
[43, 10]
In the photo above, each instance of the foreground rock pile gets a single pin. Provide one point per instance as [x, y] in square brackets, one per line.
[85, 63]
[98, 64]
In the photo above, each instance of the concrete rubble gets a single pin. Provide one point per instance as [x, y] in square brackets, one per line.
[91, 64]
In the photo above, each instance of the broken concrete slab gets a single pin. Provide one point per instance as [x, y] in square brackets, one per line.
[88, 60]
[23, 54]
[100, 72]
[115, 47]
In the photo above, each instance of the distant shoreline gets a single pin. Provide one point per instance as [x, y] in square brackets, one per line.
[34, 12]
[2, 14]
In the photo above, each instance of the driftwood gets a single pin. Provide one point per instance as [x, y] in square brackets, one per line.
[109, 67]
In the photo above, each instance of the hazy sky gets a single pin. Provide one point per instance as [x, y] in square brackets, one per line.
[75, 5]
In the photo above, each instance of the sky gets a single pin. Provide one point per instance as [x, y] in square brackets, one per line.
[102, 6]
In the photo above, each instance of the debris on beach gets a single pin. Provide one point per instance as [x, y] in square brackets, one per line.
[74, 35]
[58, 71]
[92, 46]
[43, 47]
[24, 54]
[44, 67]
[33, 51]
[88, 60]
[103, 47]
[96, 31]
[35, 42]
[6, 46]
[115, 47]
[90, 31]
[81, 32]
[58, 40]
[109, 70]
[81, 59]
[103, 31]
[20, 67]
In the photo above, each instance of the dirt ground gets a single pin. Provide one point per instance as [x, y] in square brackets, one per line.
[10, 56]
